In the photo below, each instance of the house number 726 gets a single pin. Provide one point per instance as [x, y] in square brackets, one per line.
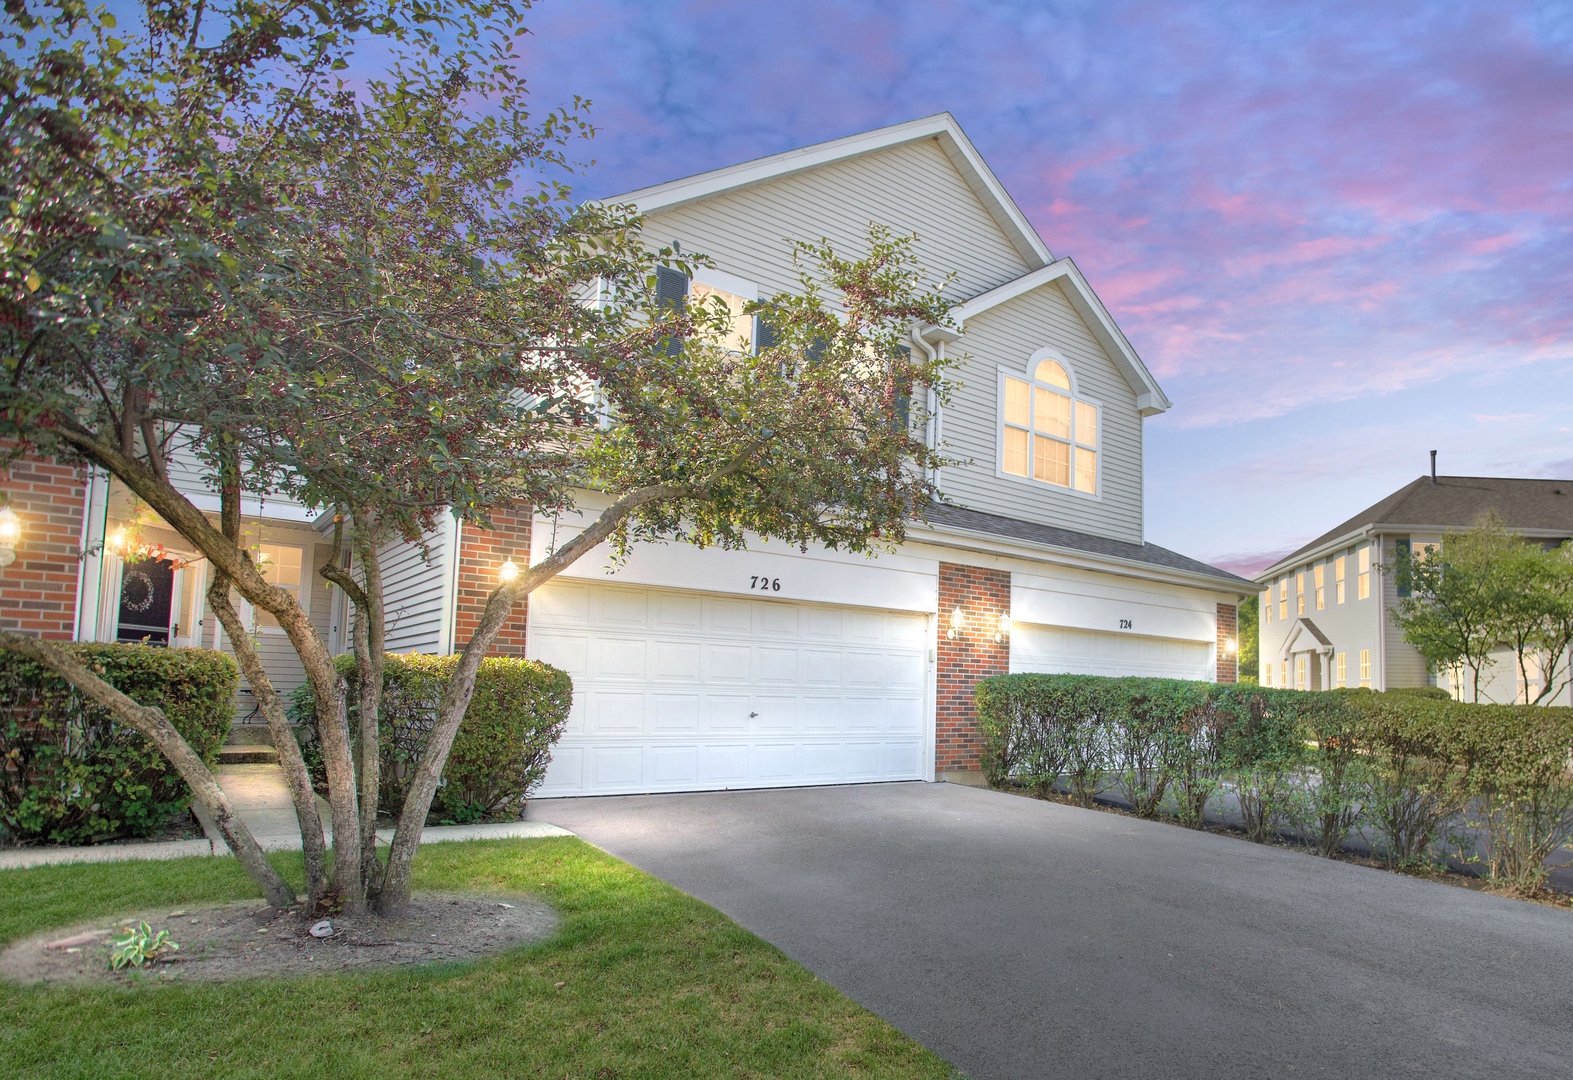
[764, 584]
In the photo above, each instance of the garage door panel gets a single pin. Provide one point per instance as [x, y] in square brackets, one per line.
[675, 714]
[675, 765]
[676, 691]
[618, 658]
[611, 712]
[677, 661]
[776, 665]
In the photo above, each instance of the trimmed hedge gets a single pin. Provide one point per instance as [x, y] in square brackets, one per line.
[1415, 771]
[69, 774]
[500, 753]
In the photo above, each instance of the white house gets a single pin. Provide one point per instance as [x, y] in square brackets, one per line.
[712, 669]
[1325, 615]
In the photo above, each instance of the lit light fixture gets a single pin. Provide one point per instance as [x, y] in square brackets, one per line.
[1231, 646]
[10, 535]
[1003, 630]
[508, 571]
[117, 541]
[958, 623]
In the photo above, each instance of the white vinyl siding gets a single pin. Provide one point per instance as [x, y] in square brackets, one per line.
[1004, 338]
[416, 594]
[1056, 650]
[912, 189]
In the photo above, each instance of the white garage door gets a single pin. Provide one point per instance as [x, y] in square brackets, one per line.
[1089, 652]
[684, 691]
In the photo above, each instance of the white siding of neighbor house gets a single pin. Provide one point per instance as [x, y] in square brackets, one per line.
[912, 189]
[1403, 665]
[417, 593]
[1006, 336]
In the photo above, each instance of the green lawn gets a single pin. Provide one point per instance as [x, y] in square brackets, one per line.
[657, 985]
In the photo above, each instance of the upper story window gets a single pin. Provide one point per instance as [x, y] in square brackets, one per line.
[1267, 605]
[1299, 593]
[1320, 573]
[1363, 579]
[1283, 599]
[1048, 432]
[1340, 566]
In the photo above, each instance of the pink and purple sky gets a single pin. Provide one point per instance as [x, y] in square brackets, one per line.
[1340, 235]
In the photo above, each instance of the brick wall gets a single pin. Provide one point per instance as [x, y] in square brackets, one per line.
[38, 591]
[983, 595]
[1228, 662]
[481, 552]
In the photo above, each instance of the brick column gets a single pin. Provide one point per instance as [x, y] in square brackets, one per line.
[983, 595]
[1228, 629]
[481, 552]
[38, 592]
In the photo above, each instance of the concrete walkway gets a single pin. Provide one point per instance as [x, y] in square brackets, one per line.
[1025, 939]
[261, 797]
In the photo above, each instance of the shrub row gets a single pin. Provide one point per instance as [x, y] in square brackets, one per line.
[71, 774]
[500, 753]
[1412, 771]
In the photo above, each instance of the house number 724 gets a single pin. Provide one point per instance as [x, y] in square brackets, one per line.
[764, 584]
[1125, 624]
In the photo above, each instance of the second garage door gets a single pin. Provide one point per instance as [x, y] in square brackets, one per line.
[1089, 652]
[684, 691]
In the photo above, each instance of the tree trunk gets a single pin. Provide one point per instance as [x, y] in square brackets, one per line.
[395, 891]
[312, 844]
[152, 723]
[371, 643]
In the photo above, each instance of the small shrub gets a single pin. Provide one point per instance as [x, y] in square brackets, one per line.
[140, 946]
[70, 774]
[500, 753]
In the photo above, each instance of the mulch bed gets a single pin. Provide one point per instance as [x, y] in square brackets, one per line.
[248, 940]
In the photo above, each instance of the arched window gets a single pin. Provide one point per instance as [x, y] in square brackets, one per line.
[1048, 433]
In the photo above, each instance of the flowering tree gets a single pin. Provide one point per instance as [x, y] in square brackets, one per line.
[369, 299]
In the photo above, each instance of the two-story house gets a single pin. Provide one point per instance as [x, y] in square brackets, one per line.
[1325, 617]
[772, 666]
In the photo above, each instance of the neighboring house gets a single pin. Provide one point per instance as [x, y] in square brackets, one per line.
[1325, 614]
[712, 669]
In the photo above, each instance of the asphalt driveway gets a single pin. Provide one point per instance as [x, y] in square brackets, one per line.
[1027, 939]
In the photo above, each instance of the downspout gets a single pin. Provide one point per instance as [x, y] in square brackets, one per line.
[933, 398]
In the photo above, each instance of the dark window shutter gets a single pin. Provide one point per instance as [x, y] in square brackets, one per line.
[816, 349]
[765, 336]
[903, 413]
[1402, 551]
[671, 293]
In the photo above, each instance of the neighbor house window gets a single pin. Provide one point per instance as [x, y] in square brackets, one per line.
[1364, 580]
[1365, 668]
[1321, 590]
[1299, 593]
[1267, 673]
[1048, 434]
[1283, 674]
[1267, 606]
[1339, 566]
[1299, 672]
[740, 332]
[1283, 599]
[1342, 663]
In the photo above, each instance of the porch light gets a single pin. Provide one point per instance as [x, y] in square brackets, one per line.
[10, 535]
[508, 571]
[1231, 646]
[1003, 631]
[958, 623]
[117, 541]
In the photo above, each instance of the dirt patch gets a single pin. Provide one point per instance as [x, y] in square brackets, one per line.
[248, 940]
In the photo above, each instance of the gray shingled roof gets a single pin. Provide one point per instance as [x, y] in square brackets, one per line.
[1460, 501]
[957, 517]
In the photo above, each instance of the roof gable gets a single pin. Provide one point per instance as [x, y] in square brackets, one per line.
[942, 128]
[1537, 507]
[1150, 397]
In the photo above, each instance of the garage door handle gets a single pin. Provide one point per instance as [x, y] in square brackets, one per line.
[752, 715]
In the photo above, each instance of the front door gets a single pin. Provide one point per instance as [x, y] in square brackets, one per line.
[147, 590]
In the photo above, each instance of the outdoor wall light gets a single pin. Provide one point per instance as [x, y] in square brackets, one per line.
[1231, 646]
[958, 623]
[508, 571]
[1003, 631]
[10, 535]
[117, 541]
